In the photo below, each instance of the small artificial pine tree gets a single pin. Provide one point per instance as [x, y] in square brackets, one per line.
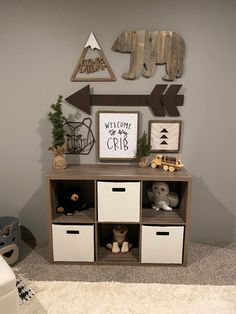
[57, 119]
[143, 147]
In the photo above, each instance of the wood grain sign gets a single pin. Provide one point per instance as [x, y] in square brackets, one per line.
[149, 49]
[164, 136]
[92, 62]
[163, 100]
[118, 134]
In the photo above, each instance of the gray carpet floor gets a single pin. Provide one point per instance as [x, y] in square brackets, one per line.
[207, 265]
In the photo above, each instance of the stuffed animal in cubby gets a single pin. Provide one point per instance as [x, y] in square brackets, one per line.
[119, 241]
[72, 202]
[161, 197]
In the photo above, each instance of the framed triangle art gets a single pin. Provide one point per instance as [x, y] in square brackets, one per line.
[165, 135]
[92, 65]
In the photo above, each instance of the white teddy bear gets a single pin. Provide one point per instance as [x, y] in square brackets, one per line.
[161, 197]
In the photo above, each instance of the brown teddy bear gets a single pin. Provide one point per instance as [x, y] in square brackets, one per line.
[72, 202]
[119, 242]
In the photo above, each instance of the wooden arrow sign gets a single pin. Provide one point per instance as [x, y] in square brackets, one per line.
[160, 103]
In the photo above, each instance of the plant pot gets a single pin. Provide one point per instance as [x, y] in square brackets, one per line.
[143, 162]
[59, 162]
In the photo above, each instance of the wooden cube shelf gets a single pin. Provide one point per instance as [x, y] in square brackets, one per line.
[141, 218]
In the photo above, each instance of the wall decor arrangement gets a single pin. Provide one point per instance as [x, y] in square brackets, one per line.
[149, 49]
[79, 137]
[91, 63]
[162, 101]
[164, 136]
[143, 206]
[117, 134]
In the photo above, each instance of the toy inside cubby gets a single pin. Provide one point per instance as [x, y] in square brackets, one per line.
[176, 216]
[86, 189]
[104, 236]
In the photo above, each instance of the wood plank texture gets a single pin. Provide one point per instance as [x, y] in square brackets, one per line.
[86, 216]
[161, 217]
[105, 255]
[117, 172]
[149, 49]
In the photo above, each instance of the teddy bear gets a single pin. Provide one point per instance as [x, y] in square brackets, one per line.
[119, 241]
[72, 202]
[161, 197]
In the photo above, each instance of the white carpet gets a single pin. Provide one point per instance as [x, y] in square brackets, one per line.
[62, 297]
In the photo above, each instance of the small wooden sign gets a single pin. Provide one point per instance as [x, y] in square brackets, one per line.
[91, 65]
[164, 135]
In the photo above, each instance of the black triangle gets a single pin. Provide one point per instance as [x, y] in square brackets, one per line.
[164, 143]
[164, 136]
[164, 131]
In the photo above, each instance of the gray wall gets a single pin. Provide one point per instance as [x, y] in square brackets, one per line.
[40, 43]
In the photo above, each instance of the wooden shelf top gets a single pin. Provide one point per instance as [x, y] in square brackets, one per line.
[117, 172]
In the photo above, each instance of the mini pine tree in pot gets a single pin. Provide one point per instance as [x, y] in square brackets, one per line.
[58, 134]
[143, 150]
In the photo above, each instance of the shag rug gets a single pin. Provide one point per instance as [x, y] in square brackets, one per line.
[66, 297]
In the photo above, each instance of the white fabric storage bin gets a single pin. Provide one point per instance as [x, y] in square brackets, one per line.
[73, 243]
[162, 244]
[118, 201]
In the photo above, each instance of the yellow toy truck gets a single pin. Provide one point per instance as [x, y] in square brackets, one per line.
[167, 163]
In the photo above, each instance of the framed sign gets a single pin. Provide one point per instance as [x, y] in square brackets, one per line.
[164, 136]
[118, 135]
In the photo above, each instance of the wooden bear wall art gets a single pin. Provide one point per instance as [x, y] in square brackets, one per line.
[149, 49]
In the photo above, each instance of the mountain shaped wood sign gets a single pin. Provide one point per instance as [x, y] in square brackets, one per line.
[162, 101]
[92, 63]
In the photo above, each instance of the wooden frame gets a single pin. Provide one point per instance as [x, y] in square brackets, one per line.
[117, 135]
[164, 135]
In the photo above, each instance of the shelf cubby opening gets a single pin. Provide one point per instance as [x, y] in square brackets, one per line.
[85, 189]
[174, 216]
[104, 233]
